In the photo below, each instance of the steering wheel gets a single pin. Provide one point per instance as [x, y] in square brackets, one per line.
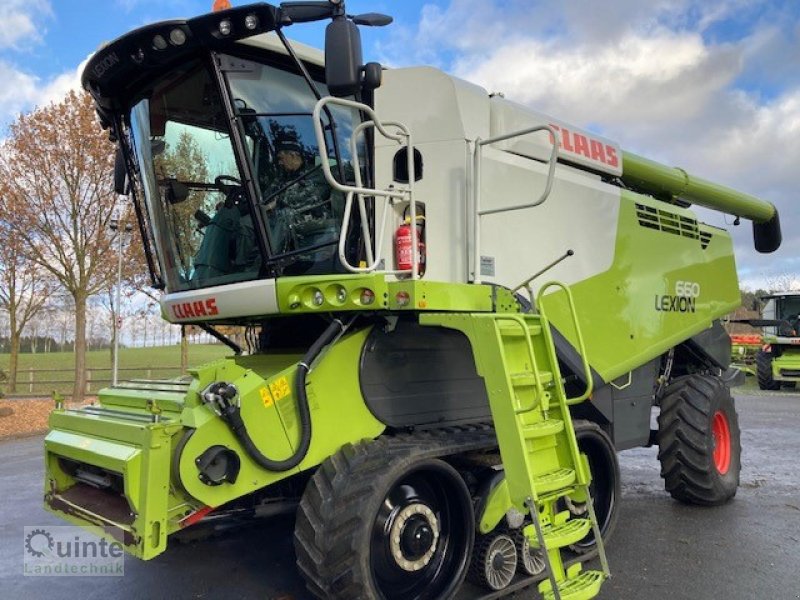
[227, 184]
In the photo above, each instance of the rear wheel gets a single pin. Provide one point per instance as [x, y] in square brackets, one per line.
[699, 441]
[377, 524]
[764, 372]
[605, 487]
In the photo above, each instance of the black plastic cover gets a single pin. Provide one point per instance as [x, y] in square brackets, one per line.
[767, 236]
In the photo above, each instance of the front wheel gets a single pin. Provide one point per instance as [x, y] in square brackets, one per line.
[699, 441]
[378, 524]
[764, 372]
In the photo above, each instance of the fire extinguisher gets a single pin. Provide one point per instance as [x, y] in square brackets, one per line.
[403, 253]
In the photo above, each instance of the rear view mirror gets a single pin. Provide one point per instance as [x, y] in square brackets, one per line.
[120, 174]
[343, 58]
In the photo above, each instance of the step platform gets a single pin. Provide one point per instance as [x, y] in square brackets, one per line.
[582, 586]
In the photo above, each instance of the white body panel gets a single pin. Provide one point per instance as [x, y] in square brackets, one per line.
[245, 299]
[580, 214]
[577, 146]
[443, 113]
[445, 116]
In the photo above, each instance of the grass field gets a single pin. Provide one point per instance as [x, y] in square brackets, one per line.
[135, 363]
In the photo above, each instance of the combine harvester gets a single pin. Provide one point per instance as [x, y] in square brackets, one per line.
[778, 360]
[432, 286]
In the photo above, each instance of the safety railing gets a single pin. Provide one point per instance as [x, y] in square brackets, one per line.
[541, 395]
[403, 136]
[477, 167]
[587, 369]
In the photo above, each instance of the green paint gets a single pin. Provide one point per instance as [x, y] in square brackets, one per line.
[143, 452]
[789, 360]
[620, 310]
[514, 353]
[670, 182]
[296, 295]
[143, 463]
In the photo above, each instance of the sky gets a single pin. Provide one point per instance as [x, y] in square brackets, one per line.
[712, 86]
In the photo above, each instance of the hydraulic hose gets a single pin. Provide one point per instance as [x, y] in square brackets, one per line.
[220, 395]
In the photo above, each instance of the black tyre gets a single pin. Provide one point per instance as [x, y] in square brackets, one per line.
[378, 523]
[764, 372]
[699, 441]
[606, 487]
[494, 561]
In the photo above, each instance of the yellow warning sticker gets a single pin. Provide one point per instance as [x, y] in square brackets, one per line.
[279, 388]
[265, 397]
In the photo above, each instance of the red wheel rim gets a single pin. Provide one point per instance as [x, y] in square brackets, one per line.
[722, 442]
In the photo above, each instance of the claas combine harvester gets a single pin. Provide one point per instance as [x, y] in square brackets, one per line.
[457, 311]
[778, 360]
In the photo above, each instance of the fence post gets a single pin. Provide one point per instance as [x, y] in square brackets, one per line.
[149, 373]
[30, 379]
[88, 380]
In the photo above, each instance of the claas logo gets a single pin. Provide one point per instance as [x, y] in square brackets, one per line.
[193, 310]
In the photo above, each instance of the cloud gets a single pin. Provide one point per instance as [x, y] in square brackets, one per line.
[712, 87]
[21, 23]
[22, 91]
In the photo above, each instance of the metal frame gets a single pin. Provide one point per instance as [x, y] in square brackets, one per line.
[478, 212]
[403, 137]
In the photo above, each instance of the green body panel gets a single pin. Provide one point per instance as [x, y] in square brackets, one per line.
[338, 415]
[143, 461]
[662, 181]
[130, 435]
[295, 295]
[621, 311]
[789, 360]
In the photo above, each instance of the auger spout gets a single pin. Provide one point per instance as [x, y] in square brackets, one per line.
[662, 181]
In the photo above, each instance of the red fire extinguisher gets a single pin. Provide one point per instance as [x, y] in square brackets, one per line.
[403, 253]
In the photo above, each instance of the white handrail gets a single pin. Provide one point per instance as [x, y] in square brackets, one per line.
[477, 162]
[404, 135]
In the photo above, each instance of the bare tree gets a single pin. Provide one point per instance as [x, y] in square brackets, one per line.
[58, 165]
[782, 282]
[23, 286]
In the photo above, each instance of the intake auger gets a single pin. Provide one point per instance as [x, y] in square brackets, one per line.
[673, 183]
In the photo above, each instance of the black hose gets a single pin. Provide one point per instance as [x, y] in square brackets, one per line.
[231, 414]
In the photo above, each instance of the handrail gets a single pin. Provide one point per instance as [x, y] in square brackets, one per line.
[587, 369]
[532, 355]
[477, 161]
[358, 190]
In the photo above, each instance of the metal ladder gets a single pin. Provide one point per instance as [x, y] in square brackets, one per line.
[516, 356]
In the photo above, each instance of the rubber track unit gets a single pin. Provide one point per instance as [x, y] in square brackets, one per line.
[764, 372]
[325, 542]
[686, 445]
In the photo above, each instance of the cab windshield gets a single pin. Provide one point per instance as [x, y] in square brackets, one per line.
[200, 214]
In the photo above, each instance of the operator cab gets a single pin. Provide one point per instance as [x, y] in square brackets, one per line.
[219, 143]
[784, 308]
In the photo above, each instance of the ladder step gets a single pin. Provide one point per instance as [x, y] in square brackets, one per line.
[560, 536]
[543, 428]
[582, 587]
[553, 480]
[514, 330]
[527, 379]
